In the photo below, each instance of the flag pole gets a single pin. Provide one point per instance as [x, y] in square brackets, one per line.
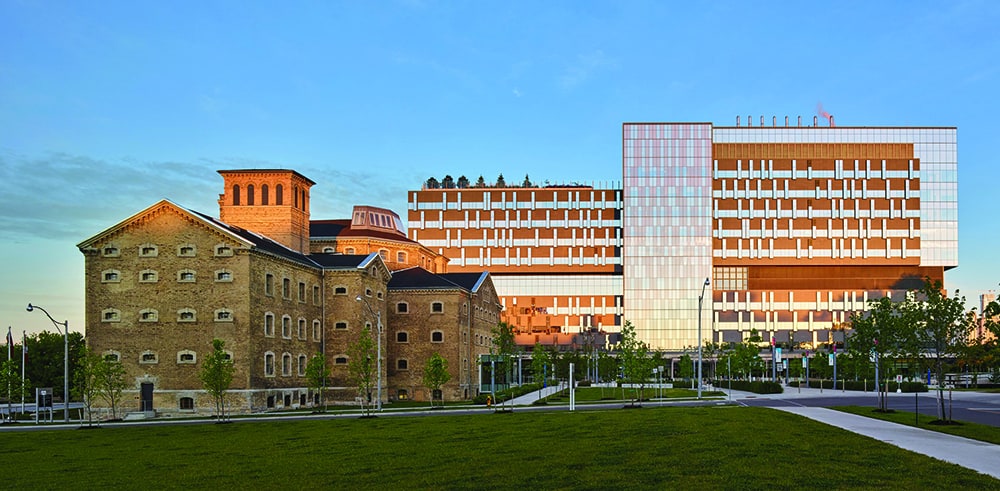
[10, 342]
[24, 357]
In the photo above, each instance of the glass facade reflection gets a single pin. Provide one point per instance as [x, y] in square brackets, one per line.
[667, 230]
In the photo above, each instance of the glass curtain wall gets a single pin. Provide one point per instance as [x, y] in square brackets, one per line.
[667, 224]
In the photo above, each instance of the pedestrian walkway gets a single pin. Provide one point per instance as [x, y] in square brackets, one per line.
[531, 397]
[972, 454]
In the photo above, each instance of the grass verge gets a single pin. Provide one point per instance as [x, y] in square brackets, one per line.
[608, 394]
[700, 448]
[974, 431]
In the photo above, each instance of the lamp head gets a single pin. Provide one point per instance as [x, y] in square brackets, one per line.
[707, 282]
[30, 307]
[358, 298]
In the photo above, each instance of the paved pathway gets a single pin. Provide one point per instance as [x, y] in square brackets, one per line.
[978, 456]
[531, 397]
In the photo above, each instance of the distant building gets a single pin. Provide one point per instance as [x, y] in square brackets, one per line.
[793, 227]
[163, 283]
[981, 334]
[554, 251]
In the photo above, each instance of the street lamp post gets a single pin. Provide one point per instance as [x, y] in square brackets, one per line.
[65, 326]
[701, 298]
[378, 353]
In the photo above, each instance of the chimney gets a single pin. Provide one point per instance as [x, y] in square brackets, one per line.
[762, 121]
[749, 120]
[737, 121]
[786, 121]
[774, 121]
[831, 121]
[800, 121]
[815, 121]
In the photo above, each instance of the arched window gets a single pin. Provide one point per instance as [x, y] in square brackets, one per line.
[402, 337]
[304, 199]
[286, 364]
[187, 404]
[349, 251]
[263, 194]
[437, 307]
[302, 365]
[437, 337]
[236, 194]
[250, 194]
[400, 257]
[402, 364]
[278, 198]
[295, 195]
[268, 364]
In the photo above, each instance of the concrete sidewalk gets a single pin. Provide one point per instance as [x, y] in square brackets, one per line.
[531, 397]
[972, 454]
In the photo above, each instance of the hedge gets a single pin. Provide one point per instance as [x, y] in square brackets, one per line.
[757, 387]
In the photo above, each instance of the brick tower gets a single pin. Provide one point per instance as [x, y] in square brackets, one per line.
[270, 202]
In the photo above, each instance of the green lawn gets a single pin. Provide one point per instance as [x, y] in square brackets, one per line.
[605, 394]
[726, 447]
[975, 431]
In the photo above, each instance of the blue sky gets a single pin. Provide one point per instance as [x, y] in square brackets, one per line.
[107, 107]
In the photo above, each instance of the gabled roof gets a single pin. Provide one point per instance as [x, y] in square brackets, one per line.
[417, 278]
[165, 203]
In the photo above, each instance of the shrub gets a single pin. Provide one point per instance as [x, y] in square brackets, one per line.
[757, 387]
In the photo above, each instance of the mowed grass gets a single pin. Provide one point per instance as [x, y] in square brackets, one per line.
[975, 431]
[606, 394]
[650, 448]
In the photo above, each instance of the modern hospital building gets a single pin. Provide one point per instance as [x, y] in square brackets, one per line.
[794, 227]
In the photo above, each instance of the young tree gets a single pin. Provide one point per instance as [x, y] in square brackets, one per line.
[362, 366]
[87, 381]
[502, 349]
[111, 383]
[217, 375]
[540, 363]
[317, 373]
[881, 333]
[501, 183]
[463, 182]
[685, 370]
[941, 327]
[634, 357]
[481, 183]
[435, 375]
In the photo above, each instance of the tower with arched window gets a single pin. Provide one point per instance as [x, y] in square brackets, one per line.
[270, 202]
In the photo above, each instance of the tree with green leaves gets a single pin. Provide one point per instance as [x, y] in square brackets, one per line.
[217, 376]
[435, 375]
[540, 363]
[87, 381]
[636, 363]
[10, 381]
[942, 327]
[361, 368]
[501, 350]
[111, 383]
[882, 333]
[317, 374]
[685, 370]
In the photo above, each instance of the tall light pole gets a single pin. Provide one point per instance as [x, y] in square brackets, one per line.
[701, 298]
[65, 325]
[378, 353]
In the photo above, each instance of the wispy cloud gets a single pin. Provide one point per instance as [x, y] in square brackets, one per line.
[584, 67]
[71, 197]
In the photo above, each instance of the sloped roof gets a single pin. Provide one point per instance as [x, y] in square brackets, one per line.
[328, 229]
[342, 261]
[417, 278]
[261, 242]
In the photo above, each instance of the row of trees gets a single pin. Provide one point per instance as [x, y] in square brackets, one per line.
[43, 365]
[449, 182]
